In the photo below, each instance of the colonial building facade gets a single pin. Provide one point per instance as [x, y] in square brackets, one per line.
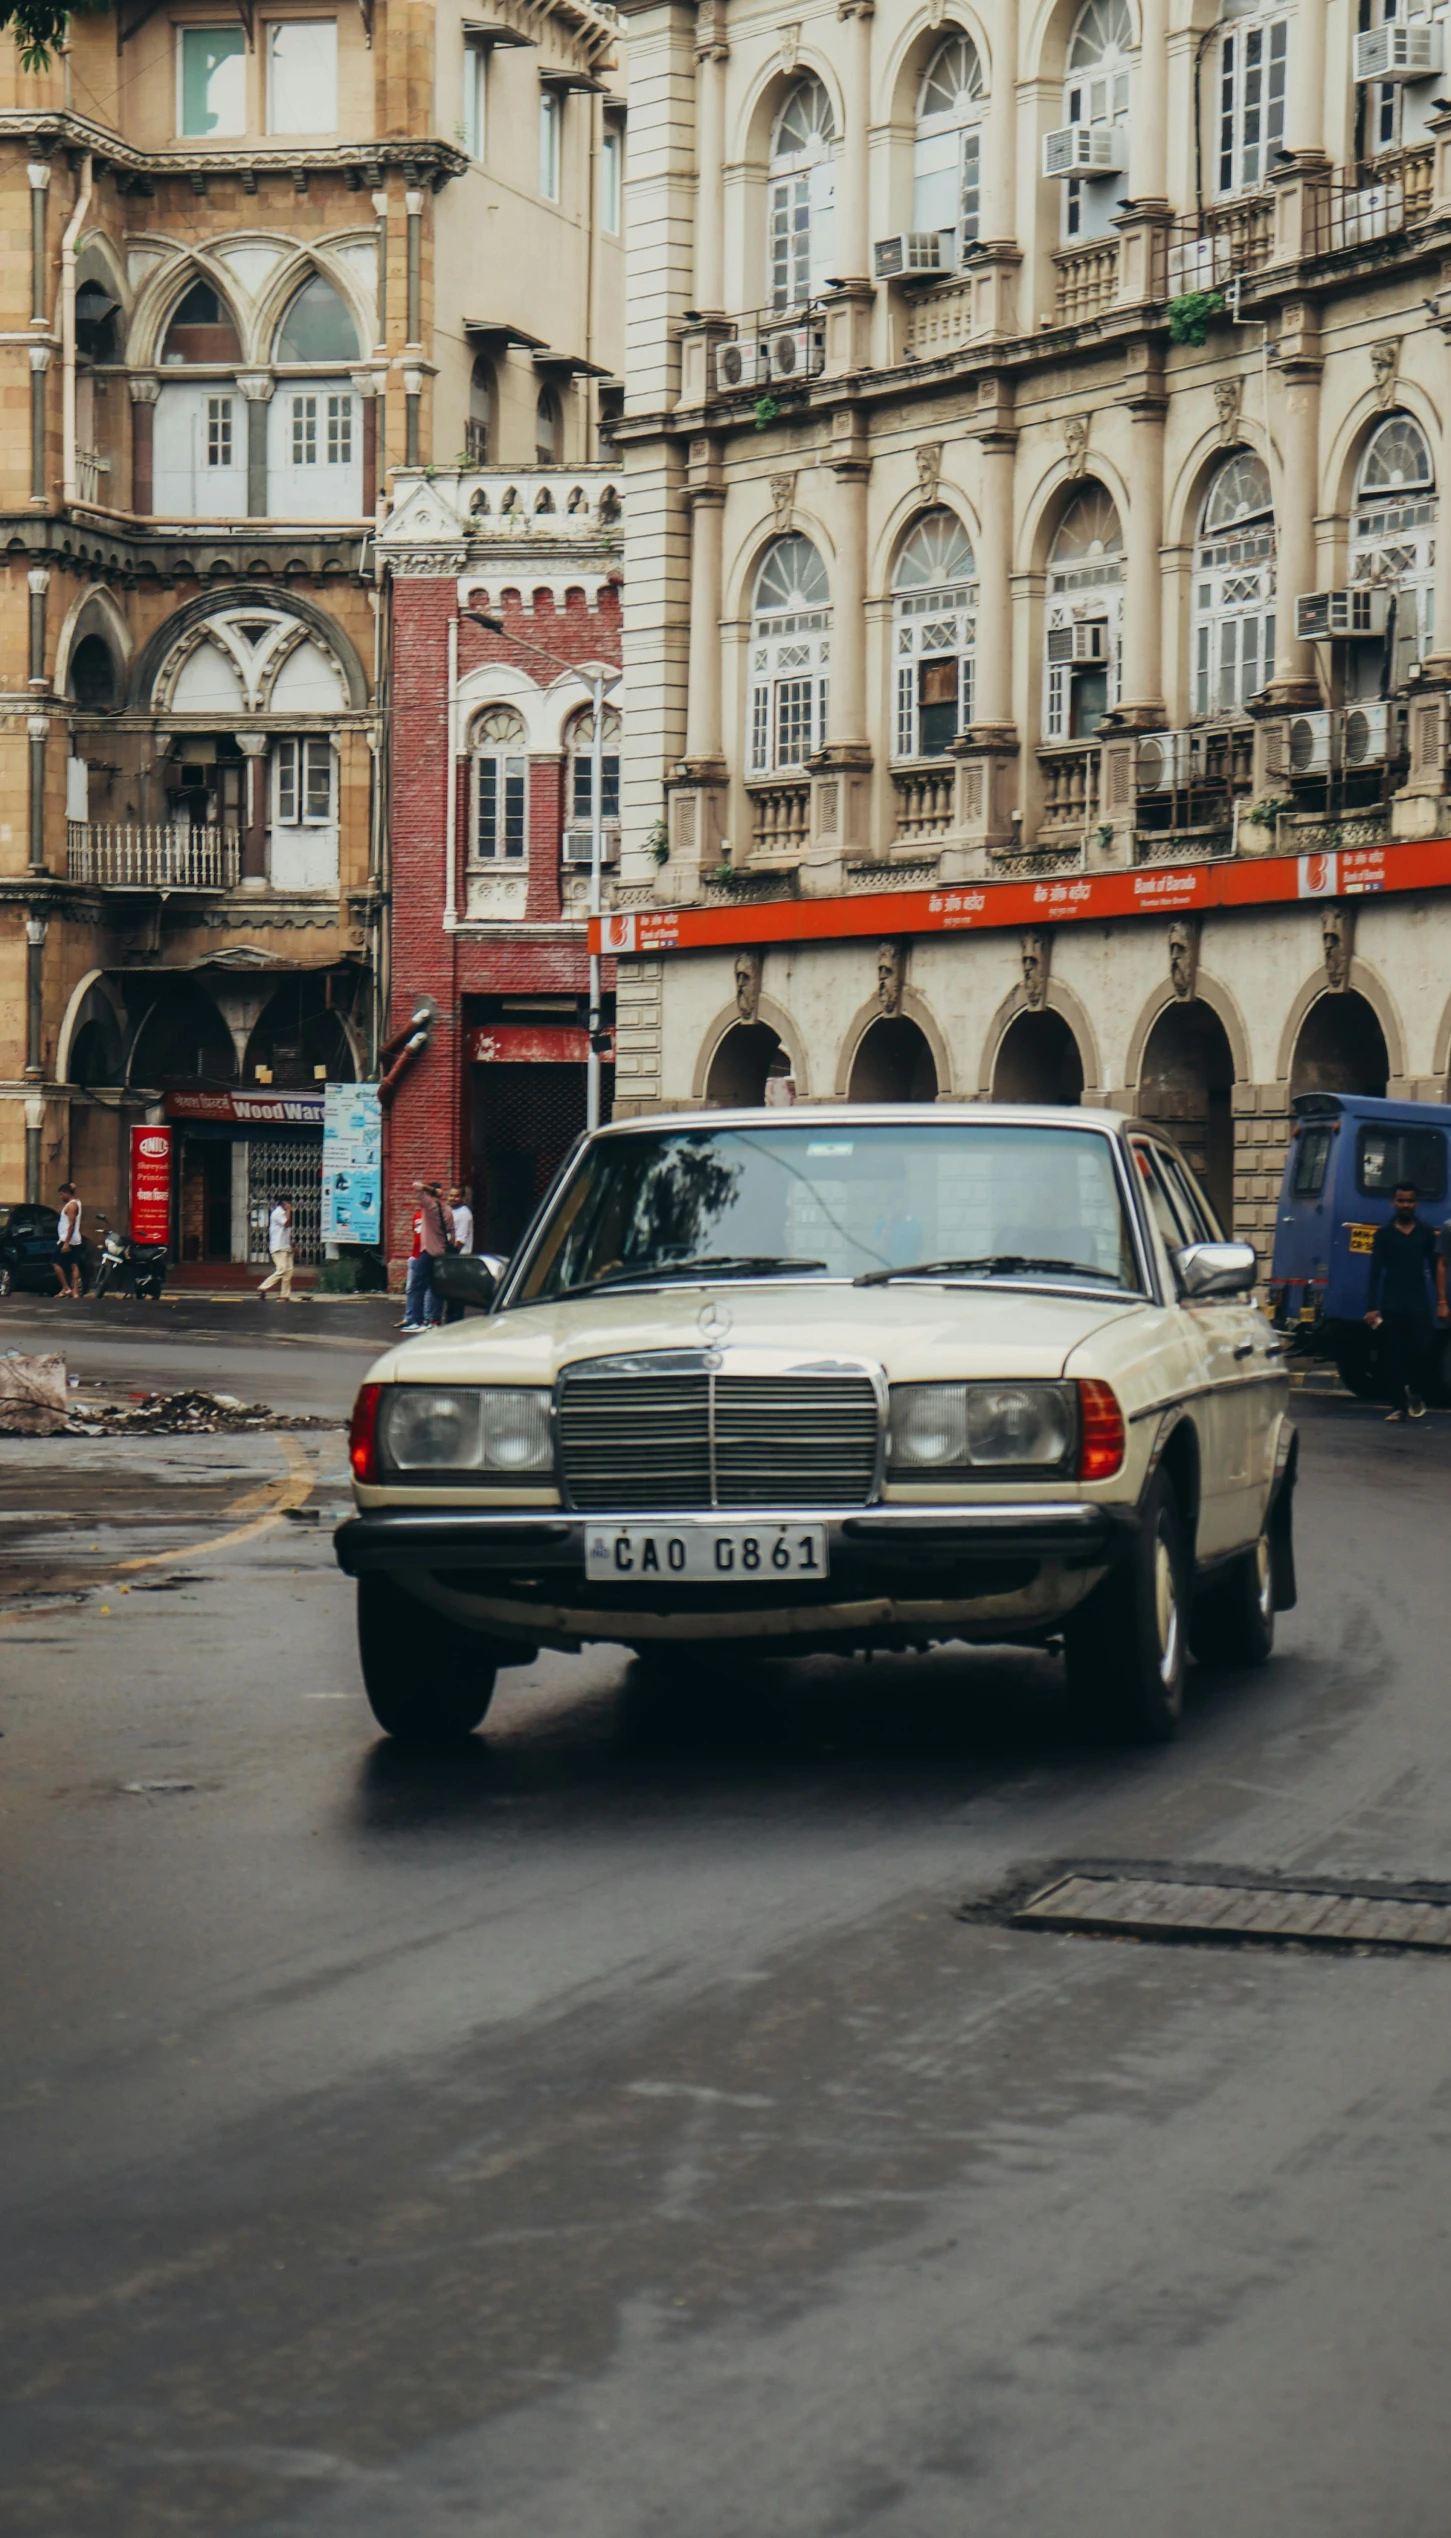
[255, 265]
[1037, 640]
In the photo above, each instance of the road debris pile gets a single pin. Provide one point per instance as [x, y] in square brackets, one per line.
[37, 1400]
[33, 1396]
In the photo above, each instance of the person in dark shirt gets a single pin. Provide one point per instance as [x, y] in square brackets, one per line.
[1403, 1301]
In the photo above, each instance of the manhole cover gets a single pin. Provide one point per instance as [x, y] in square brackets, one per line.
[1309, 1913]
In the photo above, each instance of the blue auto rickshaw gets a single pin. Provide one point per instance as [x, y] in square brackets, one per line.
[1347, 1155]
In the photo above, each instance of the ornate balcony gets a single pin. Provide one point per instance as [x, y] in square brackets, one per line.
[939, 320]
[780, 821]
[926, 804]
[92, 476]
[145, 858]
[1070, 791]
[1087, 281]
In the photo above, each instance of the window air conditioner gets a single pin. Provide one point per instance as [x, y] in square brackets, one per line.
[1205, 264]
[579, 844]
[1371, 735]
[915, 252]
[1411, 50]
[741, 364]
[1328, 616]
[1083, 149]
[793, 352]
[1166, 759]
[1078, 645]
[1312, 742]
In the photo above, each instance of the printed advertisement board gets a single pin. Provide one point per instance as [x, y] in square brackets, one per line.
[151, 1185]
[352, 1164]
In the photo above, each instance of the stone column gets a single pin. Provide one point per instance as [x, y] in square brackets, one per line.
[413, 205]
[712, 52]
[849, 304]
[1294, 687]
[39, 583]
[841, 771]
[1151, 104]
[257, 387]
[37, 926]
[380, 207]
[37, 730]
[366, 384]
[412, 406]
[1437, 668]
[253, 745]
[994, 269]
[1141, 705]
[39, 175]
[1305, 85]
[34, 1133]
[144, 393]
[697, 792]
[39, 364]
[987, 750]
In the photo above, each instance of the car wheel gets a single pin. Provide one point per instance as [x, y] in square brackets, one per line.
[427, 1681]
[1125, 1646]
[1234, 1617]
[1355, 1364]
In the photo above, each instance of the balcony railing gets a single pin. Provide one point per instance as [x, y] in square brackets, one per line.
[1358, 205]
[1070, 790]
[144, 858]
[780, 820]
[1087, 281]
[939, 320]
[926, 804]
[1212, 247]
[92, 472]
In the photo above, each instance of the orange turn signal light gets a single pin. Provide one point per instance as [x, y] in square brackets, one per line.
[1100, 1432]
[363, 1434]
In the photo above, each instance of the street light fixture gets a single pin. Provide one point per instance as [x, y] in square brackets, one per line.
[599, 683]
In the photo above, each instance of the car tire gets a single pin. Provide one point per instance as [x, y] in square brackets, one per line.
[1234, 1616]
[1125, 1646]
[1355, 1364]
[427, 1681]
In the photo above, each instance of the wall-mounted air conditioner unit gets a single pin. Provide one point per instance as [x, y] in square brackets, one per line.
[1166, 760]
[1312, 744]
[794, 352]
[1078, 645]
[915, 255]
[1370, 734]
[1083, 149]
[1205, 264]
[741, 364]
[578, 846]
[1329, 616]
[1411, 50]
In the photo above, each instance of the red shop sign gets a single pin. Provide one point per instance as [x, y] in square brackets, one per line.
[151, 1185]
[524, 1044]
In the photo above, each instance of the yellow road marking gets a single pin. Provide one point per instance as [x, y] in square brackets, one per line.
[292, 1492]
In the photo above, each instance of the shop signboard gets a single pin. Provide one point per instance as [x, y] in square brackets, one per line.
[352, 1164]
[151, 1185]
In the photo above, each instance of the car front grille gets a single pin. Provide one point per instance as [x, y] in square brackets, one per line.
[701, 1439]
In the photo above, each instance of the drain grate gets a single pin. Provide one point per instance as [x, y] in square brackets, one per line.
[1172, 1906]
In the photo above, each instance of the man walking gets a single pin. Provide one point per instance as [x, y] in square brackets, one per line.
[1403, 1302]
[279, 1243]
[68, 1243]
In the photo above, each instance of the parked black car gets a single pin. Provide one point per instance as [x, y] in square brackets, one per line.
[28, 1236]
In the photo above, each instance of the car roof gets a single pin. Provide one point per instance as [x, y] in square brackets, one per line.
[887, 1114]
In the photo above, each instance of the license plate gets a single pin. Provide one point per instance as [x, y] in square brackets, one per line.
[704, 1554]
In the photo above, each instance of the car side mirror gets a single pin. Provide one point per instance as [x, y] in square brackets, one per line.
[468, 1277]
[1216, 1269]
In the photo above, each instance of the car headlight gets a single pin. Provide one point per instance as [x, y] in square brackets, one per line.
[484, 1428]
[956, 1427]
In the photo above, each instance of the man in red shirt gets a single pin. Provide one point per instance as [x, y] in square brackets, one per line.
[432, 1234]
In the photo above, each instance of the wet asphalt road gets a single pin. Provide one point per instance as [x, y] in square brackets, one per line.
[612, 2129]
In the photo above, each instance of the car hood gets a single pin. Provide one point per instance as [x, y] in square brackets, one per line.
[918, 1333]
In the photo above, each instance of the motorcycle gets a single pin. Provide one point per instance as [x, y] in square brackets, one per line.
[132, 1268]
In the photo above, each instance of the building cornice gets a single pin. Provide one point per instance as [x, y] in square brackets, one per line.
[208, 552]
[361, 164]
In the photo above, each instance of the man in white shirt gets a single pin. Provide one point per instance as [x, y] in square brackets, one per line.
[463, 1218]
[68, 1243]
[279, 1243]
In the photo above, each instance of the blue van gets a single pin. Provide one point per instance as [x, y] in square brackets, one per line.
[1347, 1154]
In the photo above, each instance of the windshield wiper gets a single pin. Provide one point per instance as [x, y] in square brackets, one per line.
[725, 1264]
[997, 1264]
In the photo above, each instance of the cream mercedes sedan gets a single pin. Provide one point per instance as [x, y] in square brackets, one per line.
[764, 1382]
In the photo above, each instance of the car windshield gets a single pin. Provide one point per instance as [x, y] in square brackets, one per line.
[803, 1201]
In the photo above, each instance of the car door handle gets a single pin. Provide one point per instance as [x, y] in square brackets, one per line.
[1274, 1348]
[1246, 1348]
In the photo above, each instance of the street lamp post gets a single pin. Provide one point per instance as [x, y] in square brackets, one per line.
[599, 685]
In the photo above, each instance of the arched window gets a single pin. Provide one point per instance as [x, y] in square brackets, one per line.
[1254, 62]
[479, 426]
[802, 195]
[934, 601]
[581, 769]
[201, 329]
[501, 786]
[1084, 617]
[1100, 51]
[1233, 645]
[1392, 546]
[790, 648]
[548, 428]
[946, 154]
[316, 326]
[92, 679]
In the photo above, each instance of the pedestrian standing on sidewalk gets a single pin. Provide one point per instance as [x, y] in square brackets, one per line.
[1403, 1302]
[68, 1243]
[463, 1238]
[279, 1243]
[433, 1227]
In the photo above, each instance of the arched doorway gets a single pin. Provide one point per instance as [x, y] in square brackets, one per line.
[1038, 1061]
[1185, 1084]
[893, 1063]
[749, 1053]
[1341, 1048]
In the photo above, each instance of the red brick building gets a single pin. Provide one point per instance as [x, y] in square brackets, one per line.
[489, 808]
